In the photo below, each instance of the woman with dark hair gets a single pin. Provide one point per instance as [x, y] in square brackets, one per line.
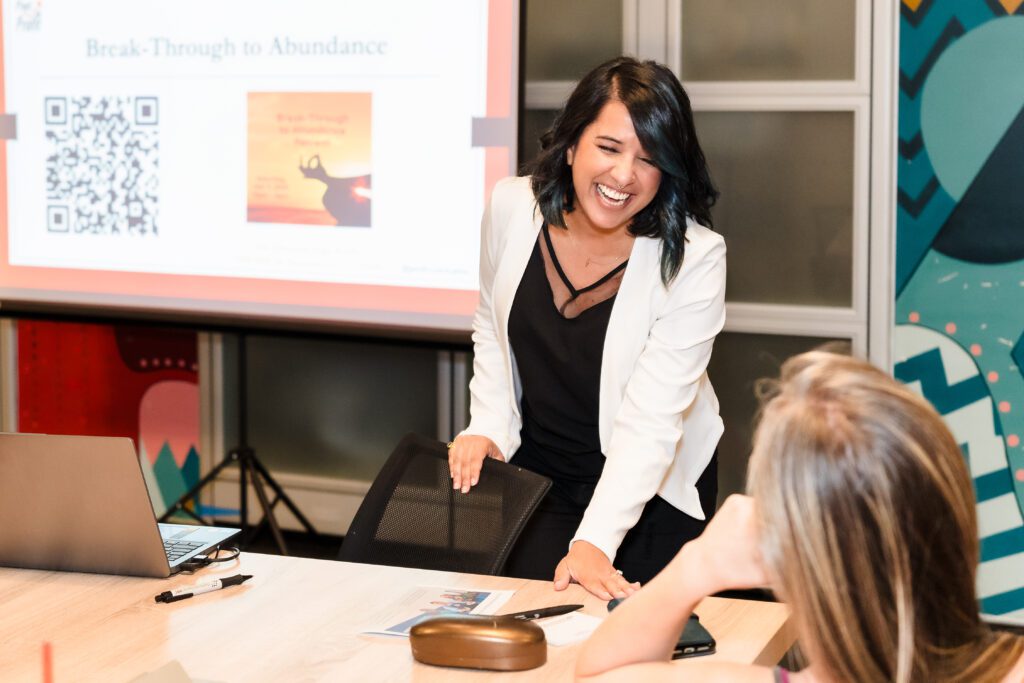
[601, 292]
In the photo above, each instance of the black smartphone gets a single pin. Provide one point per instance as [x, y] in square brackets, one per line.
[694, 641]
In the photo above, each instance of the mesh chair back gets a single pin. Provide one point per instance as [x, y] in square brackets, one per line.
[412, 517]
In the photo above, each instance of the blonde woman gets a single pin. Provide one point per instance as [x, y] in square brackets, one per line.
[861, 517]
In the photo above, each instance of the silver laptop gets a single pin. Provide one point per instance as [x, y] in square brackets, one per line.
[80, 503]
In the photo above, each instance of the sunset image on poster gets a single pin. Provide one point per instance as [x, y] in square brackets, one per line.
[309, 158]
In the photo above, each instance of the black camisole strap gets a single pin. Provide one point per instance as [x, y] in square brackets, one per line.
[561, 273]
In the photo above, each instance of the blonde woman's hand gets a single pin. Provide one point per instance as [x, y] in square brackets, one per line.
[729, 548]
[466, 457]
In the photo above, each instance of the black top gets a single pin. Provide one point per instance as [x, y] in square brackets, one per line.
[559, 363]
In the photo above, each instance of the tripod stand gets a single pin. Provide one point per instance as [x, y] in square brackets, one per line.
[250, 469]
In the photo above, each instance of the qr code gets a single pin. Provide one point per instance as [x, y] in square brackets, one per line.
[101, 169]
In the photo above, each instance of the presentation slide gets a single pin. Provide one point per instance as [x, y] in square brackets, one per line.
[314, 160]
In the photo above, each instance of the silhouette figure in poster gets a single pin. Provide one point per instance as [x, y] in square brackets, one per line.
[346, 199]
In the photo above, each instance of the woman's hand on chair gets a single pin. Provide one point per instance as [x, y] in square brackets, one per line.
[588, 566]
[466, 457]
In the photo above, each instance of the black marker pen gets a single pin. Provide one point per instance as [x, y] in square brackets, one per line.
[199, 589]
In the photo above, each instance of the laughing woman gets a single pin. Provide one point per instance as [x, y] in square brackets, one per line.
[601, 293]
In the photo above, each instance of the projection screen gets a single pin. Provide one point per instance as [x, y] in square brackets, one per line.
[309, 161]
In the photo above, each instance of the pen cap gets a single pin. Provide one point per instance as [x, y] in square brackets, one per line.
[168, 596]
[479, 642]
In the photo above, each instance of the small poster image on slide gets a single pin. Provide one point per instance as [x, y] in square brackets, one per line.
[309, 158]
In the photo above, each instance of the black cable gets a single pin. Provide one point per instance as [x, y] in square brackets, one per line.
[194, 564]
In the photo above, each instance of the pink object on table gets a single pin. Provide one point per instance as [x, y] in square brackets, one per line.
[47, 662]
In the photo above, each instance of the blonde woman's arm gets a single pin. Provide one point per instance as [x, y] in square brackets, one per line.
[636, 640]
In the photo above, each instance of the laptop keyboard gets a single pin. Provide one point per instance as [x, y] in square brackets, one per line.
[177, 549]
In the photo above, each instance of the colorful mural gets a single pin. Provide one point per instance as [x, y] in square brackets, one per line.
[138, 382]
[959, 328]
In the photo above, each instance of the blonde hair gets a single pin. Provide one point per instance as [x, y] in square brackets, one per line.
[869, 527]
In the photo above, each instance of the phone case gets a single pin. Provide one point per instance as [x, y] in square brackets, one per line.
[694, 641]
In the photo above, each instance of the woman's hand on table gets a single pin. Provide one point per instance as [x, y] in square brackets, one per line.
[590, 567]
[466, 457]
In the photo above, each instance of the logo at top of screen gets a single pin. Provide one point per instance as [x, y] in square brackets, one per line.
[28, 14]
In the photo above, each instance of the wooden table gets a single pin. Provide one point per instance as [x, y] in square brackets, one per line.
[296, 620]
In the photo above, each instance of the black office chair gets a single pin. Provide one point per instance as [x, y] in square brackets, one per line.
[412, 517]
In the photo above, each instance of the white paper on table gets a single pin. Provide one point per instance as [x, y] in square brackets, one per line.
[432, 601]
[568, 628]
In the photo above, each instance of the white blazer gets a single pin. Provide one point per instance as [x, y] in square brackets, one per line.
[658, 421]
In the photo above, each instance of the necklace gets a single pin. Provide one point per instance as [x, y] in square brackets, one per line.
[589, 258]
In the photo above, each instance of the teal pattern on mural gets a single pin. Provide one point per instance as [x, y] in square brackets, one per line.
[937, 366]
[959, 336]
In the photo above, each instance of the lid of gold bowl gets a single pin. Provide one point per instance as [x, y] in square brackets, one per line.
[479, 627]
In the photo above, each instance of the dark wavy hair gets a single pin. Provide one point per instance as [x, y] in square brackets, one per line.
[663, 121]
